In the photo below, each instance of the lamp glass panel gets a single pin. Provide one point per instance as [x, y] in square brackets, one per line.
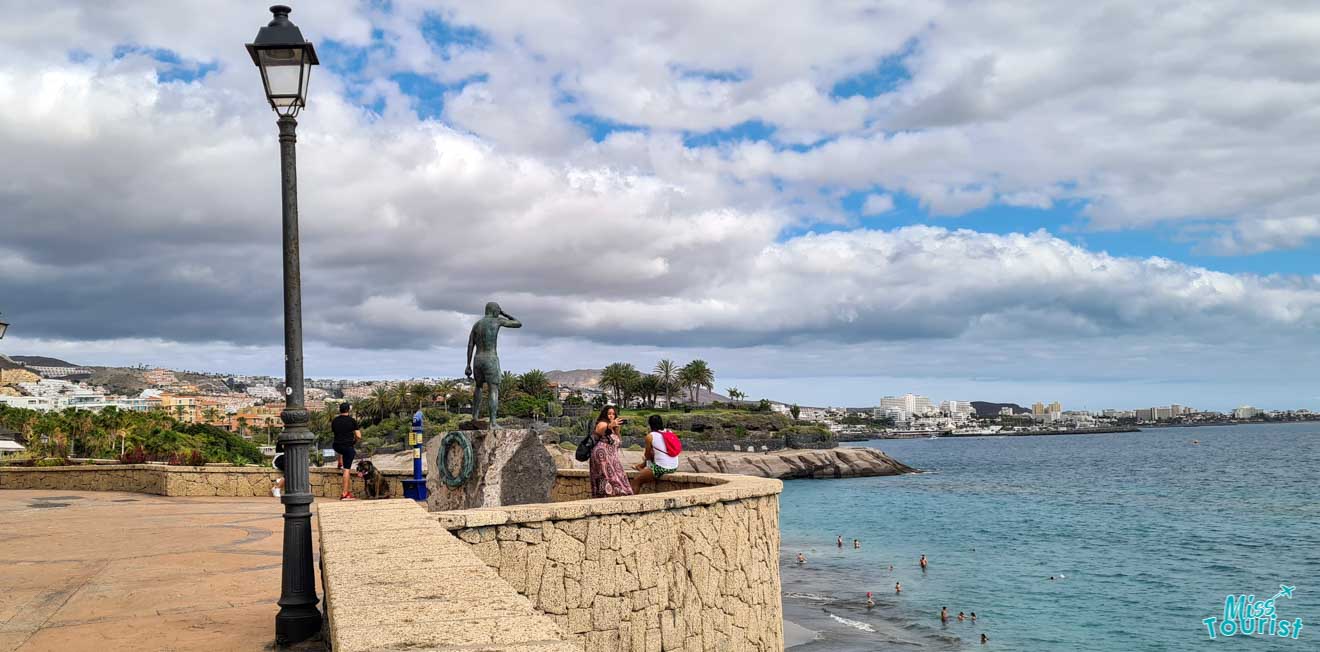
[283, 68]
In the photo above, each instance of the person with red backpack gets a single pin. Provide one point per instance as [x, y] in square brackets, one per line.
[661, 456]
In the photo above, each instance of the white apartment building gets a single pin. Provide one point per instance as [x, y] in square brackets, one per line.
[912, 405]
[38, 403]
[1247, 412]
[265, 392]
[957, 408]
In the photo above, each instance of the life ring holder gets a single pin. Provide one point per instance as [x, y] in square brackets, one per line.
[469, 459]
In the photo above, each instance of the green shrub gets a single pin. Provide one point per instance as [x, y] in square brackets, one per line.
[52, 461]
[568, 445]
[634, 448]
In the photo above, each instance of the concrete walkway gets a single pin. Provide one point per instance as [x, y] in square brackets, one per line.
[110, 571]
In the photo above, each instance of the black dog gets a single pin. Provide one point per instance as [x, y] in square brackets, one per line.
[377, 485]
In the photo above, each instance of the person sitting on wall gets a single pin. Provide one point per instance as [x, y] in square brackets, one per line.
[660, 457]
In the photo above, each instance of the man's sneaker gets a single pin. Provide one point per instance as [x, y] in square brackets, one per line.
[275, 491]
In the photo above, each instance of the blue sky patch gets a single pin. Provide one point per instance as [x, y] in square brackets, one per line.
[885, 77]
[171, 67]
[444, 35]
[600, 128]
[749, 130]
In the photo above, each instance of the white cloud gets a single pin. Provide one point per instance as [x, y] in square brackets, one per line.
[1259, 236]
[144, 215]
[877, 204]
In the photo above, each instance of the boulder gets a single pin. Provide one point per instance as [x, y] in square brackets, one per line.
[510, 467]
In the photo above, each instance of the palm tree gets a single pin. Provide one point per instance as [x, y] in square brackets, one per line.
[422, 395]
[535, 383]
[508, 382]
[667, 373]
[697, 375]
[242, 426]
[648, 387]
[735, 394]
[618, 376]
[382, 404]
[401, 399]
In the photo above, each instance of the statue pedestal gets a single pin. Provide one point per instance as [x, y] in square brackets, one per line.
[487, 468]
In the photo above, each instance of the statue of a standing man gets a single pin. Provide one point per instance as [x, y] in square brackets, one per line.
[486, 362]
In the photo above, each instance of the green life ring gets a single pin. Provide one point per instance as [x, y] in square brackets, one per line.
[469, 459]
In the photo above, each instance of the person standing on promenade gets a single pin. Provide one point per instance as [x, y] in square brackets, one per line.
[347, 435]
[606, 471]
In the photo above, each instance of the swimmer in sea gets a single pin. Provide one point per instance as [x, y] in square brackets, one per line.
[961, 617]
[944, 614]
[856, 544]
[801, 559]
[898, 587]
[869, 602]
[973, 616]
[923, 562]
[891, 568]
[840, 542]
[984, 639]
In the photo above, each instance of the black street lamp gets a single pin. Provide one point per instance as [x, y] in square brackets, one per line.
[286, 61]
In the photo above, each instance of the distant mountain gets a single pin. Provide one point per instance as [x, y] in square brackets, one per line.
[41, 361]
[984, 409]
[575, 378]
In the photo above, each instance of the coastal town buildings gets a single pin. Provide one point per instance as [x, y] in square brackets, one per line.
[911, 405]
[1247, 412]
[159, 377]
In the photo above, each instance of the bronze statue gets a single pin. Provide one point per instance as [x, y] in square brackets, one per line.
[486, 362]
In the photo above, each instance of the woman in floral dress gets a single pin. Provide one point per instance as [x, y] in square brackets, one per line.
[607, 475]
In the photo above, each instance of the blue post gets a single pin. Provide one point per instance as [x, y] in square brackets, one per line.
[416, 488]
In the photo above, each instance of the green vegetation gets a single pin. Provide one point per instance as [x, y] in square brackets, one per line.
[140, 435]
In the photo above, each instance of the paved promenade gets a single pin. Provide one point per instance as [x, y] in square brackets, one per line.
[110, 571]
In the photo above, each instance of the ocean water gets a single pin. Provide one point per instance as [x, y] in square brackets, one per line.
[1145, 533]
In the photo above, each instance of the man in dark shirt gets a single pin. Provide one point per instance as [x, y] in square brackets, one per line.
[347, 435]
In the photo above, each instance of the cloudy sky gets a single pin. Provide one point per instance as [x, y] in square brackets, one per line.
[1110, 204]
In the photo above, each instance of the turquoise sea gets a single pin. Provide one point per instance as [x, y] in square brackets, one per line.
[1145, 533]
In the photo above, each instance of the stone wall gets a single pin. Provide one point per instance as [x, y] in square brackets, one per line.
[693, 567]
[180, 480]
[394, 579]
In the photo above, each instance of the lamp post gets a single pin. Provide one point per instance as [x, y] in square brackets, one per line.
[4, 326]
[285, 60]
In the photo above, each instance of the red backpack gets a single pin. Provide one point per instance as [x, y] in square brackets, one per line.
[673, 445]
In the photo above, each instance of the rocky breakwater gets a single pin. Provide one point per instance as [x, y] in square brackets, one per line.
[787, 464]
[783, 464]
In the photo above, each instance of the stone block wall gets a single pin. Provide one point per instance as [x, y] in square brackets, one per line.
[691, 569]
[135, 478]
[180, 480]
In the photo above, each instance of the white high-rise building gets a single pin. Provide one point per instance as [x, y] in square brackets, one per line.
[957, 408]
[912, 405]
